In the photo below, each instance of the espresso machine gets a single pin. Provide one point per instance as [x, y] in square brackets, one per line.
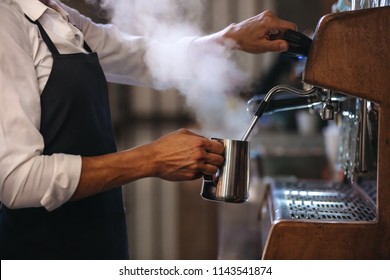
[347, 78]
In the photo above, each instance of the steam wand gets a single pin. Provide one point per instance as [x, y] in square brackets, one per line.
[265, 102]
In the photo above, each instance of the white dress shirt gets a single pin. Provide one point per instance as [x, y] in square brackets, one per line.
[28, 178]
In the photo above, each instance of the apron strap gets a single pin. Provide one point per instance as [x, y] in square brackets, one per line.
[87, 48]
[53, 49]
[45, 37]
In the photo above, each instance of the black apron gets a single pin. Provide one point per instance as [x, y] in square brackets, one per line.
[75, 120]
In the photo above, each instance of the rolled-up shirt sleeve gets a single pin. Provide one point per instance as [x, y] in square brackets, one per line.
[27, 177]
[136, 60]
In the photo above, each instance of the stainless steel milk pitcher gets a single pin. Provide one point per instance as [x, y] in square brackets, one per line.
[231, 182]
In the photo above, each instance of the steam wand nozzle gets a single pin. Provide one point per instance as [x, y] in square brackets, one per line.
[265, 102]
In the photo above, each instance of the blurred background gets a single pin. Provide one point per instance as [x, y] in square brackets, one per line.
[169, 220]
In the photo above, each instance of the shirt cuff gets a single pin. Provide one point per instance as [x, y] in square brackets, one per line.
[67, 171]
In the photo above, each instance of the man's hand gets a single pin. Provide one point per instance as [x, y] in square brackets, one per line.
[253, 35]
[184, 155]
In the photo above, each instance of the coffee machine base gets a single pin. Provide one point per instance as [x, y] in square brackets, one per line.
[321, 220]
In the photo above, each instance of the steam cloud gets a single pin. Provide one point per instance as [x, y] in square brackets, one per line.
[212, 93]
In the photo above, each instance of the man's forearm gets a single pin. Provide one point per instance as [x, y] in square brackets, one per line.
[102, 173]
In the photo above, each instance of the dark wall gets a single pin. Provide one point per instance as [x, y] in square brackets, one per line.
[306, 13]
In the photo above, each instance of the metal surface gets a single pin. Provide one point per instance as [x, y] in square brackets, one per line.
[328, 110]
[362, 164]
[321, 201]
[284, 104]
[264, 103]
[231, 182]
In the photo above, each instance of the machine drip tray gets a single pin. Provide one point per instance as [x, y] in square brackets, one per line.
[323, 201]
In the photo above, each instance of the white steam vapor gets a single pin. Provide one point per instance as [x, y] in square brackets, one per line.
[212, 92]
[159, 19]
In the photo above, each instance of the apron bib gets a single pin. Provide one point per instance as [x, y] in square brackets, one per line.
[75, 119]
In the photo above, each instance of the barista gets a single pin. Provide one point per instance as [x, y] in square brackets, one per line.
[60, 171]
